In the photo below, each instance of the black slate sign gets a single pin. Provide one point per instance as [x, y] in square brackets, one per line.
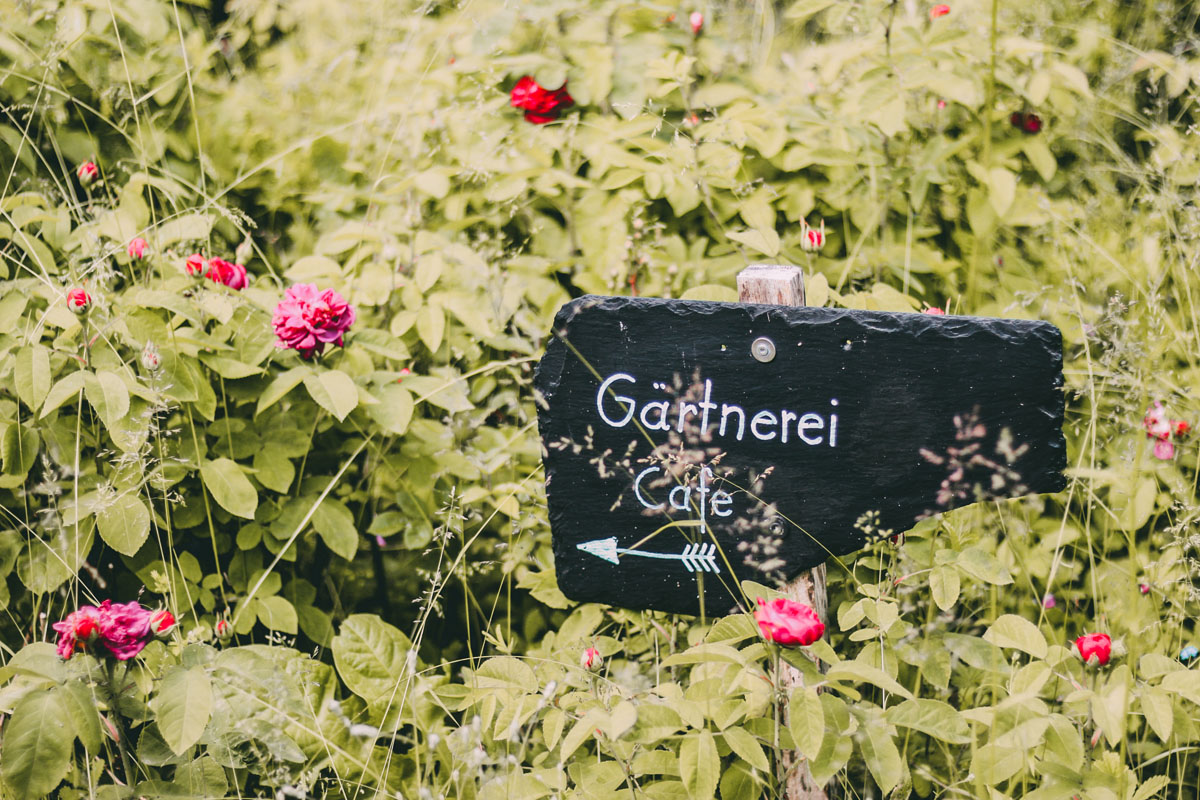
[690, 445]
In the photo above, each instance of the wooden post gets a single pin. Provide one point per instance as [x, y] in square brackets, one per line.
[784, 286]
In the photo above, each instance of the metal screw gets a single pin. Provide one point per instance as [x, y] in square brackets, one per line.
[763, 349]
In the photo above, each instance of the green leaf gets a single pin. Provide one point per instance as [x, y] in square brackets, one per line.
[31, 375]
[1002, 189]
[124, 524]
[858, 671]
[931, 717]
[431, 326]
[993, 764]
[37, 745]
[394, 410]
[699, 765]
[983, 566]
[189, 227]
[277, 614]
[370, 656]
[334, 522]
[1156, 708]
[762, 240]
[183, 706]
[273, 468]
[66, 389]
[80, 702]
[230, 487]
[19, 445]
[279, 387]
[1017, 632]
[1038, 153]
[108, 395]
[944, 585]
[505, 672]
[806, 719]
[747, 747]
[334, 391]
[881, 755]
[51, 560]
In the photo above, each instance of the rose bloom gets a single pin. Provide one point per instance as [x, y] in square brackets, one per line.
[788, 623]
[1097, 645]
[221, 271]
[78, 300]
[309, 318]
[540, 105]
[77, 631]
[87, 172]
[137, 248]
[591, 659]
[1026, 121]
[696, 20]
[194, 264]
[934, 311]
[940, 10]
[124, 628]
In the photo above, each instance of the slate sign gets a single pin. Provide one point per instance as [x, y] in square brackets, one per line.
[690, 445]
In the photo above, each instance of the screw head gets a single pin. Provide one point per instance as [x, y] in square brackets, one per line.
[763, 349]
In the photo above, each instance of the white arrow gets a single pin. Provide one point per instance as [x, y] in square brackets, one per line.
[695, 557]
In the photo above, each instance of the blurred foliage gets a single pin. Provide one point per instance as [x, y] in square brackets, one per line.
[394, 485]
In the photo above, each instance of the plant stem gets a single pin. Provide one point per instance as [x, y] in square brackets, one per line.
[126, 763]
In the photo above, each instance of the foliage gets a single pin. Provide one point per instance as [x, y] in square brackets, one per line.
[160, 442]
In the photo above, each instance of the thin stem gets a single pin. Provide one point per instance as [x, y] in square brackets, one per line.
[126, 763]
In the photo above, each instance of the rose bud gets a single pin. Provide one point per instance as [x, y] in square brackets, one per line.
[788, 623]
[162, 623]
[1181, 427]
[696, 20]
[78, 301]
[811, 238]
[194, 265]
[591, 659]
[223, 630]
[934, 311]
[939, 10]
[1094, 645]
[87, 172]
[151, 360]
[137, 248]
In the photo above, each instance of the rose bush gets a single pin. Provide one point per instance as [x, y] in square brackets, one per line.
[355, 546]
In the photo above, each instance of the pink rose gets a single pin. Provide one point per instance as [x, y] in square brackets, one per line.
[78, 630]
[788, 623]
[221, 271]
[137, 248]
[934, 311]
[308, 318]
[696, 20]
[124, 628]
[78, 300]
[1094, 645]
[940, 10]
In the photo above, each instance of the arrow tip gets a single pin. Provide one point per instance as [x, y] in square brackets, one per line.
[602, 548]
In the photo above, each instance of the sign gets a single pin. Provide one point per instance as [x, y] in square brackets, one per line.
[691, 445]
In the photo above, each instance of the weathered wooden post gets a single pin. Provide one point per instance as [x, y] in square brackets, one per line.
[767, 284]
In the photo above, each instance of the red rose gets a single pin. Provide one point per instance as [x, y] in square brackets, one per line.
[137, 248]
[1181, 427]
[540, 105]
[939, 11]
[788, 623]
[194, 264]
[78, 300]
[591, 659]
[1094, 645]
[1026, 121]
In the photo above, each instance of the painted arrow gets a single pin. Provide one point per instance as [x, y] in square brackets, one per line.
[695, 557]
